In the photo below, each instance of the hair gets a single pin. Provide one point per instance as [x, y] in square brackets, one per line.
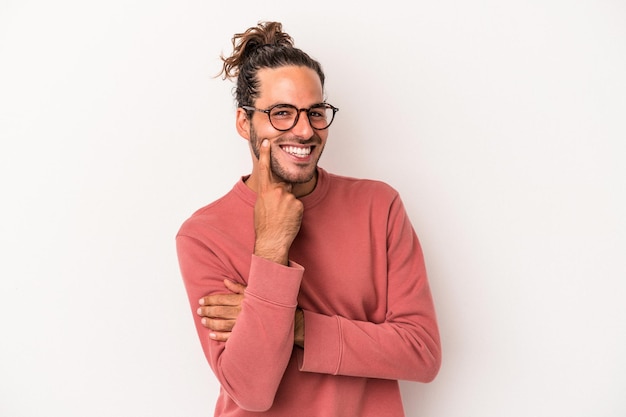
[262, 46]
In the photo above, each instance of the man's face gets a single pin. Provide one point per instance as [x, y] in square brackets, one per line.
[296, 152]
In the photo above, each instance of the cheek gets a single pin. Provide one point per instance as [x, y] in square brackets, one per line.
[264, 132]
[323, 136]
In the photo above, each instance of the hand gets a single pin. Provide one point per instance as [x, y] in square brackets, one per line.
[219, 311]
[277, 213]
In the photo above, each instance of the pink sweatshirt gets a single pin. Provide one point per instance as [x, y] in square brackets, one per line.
[357, 271]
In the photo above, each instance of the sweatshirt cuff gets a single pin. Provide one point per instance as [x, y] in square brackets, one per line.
[274, 282]
[322, 344]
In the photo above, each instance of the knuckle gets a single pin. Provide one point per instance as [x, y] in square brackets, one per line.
[221, 325]
[217, 312]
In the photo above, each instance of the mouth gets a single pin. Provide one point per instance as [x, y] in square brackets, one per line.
[299, 152]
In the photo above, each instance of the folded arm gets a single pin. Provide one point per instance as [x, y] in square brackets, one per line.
[405, 344]
[251, 364]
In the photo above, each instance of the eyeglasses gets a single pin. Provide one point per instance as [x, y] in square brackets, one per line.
[284, 117]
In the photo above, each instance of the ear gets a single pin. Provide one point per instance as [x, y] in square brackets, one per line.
[242, 123]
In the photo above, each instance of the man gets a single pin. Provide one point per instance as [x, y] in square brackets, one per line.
[309, 291]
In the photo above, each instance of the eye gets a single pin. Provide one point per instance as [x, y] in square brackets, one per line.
[317, 112]
[283, 112]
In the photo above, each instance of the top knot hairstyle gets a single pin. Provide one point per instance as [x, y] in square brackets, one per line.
[262, 46]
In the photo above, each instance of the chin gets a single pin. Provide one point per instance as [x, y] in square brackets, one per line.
[295, 177]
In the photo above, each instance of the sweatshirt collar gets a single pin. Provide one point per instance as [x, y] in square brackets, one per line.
[310, 200]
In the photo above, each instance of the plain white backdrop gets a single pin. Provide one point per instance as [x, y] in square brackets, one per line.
[502, 124]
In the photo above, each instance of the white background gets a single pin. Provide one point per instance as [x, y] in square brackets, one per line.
[502, 124]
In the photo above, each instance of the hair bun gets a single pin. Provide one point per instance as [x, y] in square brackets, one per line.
[247, 44]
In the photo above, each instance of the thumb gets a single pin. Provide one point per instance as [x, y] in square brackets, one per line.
[234, 286]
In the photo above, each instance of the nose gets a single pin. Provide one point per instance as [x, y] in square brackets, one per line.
[303, 126]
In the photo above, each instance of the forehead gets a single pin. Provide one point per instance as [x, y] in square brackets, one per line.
[300, 86]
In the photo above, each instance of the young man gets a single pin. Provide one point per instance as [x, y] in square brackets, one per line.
[309, 291]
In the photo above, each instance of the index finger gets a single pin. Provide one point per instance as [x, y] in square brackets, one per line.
[220, 300]
[265, 170]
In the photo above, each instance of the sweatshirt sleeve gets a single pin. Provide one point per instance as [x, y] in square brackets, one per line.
[250, 365]
[406, 345]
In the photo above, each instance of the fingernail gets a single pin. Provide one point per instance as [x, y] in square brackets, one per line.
[199, 311]
[265, 143]
[212, 335]
[201, 302]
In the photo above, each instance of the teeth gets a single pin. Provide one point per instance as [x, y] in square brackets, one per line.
[297, 151]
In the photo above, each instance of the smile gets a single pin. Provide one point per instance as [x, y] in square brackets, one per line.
[301, 152]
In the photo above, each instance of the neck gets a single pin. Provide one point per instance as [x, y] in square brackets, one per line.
[297, 189]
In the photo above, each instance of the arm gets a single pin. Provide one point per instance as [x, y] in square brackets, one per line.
[219, 313]
[250, 365]
[406, 345]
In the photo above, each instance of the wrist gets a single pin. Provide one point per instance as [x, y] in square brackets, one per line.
[274, 253]
[298, 333]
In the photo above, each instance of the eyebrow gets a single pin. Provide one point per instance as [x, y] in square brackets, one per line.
[321, 103]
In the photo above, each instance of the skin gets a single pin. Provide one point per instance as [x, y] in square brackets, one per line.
[301, 87]
[279, 178]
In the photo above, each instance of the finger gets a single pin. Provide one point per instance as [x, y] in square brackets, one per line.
[265, 170]
[218, 325]
[219, 312]
[221, 300]
[220, 336]
[234, 286]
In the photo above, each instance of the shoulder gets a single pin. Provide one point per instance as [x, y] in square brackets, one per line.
[224, 212]
[361, 187]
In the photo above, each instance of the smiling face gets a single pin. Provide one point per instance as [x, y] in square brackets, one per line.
[296, 152]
